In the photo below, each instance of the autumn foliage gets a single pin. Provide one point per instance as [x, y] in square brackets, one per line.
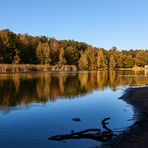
[27, 49]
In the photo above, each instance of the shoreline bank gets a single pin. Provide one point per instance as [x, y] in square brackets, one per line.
[22, 68]
[137, 134]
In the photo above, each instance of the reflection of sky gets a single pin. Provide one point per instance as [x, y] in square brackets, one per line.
[33, 124]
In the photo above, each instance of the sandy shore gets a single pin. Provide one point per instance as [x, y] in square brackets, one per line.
[136, 136]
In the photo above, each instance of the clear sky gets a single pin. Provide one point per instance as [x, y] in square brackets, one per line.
[101, 23]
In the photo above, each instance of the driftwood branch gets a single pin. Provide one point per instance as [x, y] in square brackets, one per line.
[94, 134]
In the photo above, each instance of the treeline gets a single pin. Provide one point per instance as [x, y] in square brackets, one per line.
[27, 49]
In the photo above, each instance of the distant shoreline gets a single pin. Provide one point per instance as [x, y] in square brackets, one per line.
[22, 68]
[137, 134]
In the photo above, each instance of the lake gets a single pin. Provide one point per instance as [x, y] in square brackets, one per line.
[35, 106]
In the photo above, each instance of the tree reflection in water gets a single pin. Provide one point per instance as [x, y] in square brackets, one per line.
[16, 89]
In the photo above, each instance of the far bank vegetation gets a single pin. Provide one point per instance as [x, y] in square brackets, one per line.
[49, 53]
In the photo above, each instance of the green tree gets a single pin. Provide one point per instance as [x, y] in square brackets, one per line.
[141, 58]
[27, 45]
[91, 56]
[55, 50]
[83, 62]
[62, 60]
[128, 62]
[71, 55]
[43, 53]
[16, 58]
[102, 59]
[120, 60]
[1, 51]
[8, 43]
[112, 63]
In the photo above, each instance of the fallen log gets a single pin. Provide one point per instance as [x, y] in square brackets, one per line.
[94, 134]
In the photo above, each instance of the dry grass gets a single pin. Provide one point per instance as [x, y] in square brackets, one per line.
[12, 68]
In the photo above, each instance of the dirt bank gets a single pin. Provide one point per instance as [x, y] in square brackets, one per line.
[136, 135]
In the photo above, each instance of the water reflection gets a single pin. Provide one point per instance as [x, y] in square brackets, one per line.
[41, 105]
[39, 87]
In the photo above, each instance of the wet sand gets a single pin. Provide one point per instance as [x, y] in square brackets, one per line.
[136, 136]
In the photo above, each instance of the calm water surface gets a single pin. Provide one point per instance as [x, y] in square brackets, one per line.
[36, 106]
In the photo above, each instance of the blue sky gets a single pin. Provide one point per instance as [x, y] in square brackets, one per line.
[101, 23]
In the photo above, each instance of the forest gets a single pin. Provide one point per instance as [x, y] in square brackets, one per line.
[27, 49]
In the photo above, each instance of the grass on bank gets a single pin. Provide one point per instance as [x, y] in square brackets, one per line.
[12, 68]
